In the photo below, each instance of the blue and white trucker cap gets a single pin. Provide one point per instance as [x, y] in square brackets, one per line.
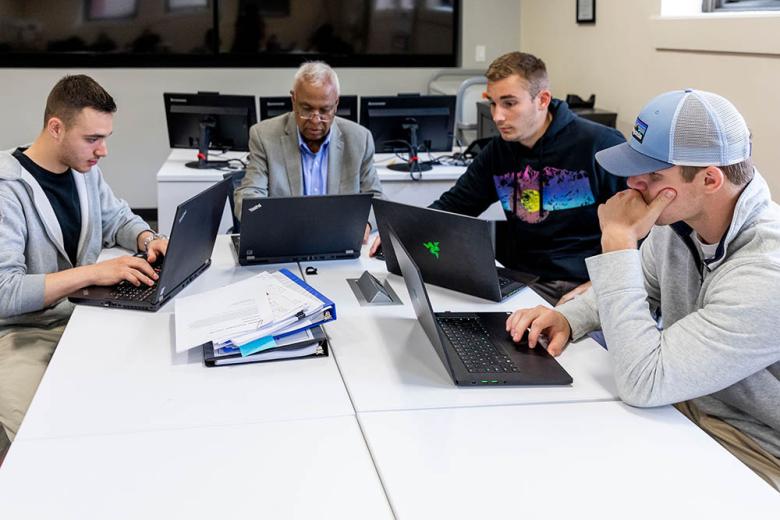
[683, 127]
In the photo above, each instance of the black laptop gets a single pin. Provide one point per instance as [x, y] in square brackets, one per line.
[451, 250]
[475, 347]
[299, 229]
[192, 240]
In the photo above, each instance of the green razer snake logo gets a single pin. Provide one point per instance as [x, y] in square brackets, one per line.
[433, 248]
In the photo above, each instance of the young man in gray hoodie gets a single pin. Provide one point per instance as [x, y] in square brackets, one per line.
[56, 214]
[689, 317]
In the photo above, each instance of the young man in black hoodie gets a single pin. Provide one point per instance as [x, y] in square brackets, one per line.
[542, 169]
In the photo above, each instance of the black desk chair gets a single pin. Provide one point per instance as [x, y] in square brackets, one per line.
[575, 101]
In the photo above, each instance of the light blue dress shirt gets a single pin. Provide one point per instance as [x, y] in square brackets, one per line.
[314, 166]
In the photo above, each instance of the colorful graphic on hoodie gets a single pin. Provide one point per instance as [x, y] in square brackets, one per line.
[523, 194]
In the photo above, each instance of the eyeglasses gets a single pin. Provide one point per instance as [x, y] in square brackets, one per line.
[309, 114]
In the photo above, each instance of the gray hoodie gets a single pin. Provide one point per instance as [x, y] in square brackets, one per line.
[719, 344]
[31, 243]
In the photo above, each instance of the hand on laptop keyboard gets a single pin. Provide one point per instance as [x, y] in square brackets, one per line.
[540, 321]
[131, 269]
[156, 246]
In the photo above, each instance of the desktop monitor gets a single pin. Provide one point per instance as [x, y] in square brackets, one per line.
[277, 105]
[409, 124]
[209, 121]
[274, 106]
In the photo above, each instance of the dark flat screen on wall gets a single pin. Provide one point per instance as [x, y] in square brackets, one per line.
[229, 33]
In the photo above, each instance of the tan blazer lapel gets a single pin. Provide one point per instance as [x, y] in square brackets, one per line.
[292, 156]
[335, 151]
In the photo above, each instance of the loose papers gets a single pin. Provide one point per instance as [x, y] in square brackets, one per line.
[242, 312]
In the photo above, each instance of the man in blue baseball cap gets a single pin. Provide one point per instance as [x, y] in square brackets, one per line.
[690, 316]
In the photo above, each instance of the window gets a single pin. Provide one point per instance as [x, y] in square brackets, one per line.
[229, 33]
[111, 9]
[185, 5]
[725, 6]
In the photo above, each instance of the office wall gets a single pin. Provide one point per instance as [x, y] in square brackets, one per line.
[140, 143]
[629, 56]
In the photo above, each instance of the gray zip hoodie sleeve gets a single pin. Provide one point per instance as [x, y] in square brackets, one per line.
[20, 292]
[30, 238]
[582, 312]
[719, 341]
[700, 354]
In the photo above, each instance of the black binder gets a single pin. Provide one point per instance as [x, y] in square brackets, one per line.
[309, 348]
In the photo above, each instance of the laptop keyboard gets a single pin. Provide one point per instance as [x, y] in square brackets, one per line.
[128, 291]
[472, 342]
[124, 290]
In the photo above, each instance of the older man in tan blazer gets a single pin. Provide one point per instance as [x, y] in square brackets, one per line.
[309, 151]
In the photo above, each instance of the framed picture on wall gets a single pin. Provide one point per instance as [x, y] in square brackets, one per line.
[586, 11]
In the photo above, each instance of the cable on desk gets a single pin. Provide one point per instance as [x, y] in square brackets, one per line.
[229, 168]
[239, 161]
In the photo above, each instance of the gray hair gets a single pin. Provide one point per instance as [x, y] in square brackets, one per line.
[317, 73]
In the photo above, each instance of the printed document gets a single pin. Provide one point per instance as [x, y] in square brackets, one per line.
[221, 313]
[291, 305]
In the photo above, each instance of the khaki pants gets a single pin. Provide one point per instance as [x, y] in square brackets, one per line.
[24, 355]
[743, 447]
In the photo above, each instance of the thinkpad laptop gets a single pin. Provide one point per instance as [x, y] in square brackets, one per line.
[189, 254]
[475, 347]
[299, 229]
[451, 250]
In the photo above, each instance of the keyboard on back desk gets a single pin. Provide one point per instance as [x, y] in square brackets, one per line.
[471, 341]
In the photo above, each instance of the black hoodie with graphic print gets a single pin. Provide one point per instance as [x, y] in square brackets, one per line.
[550, 194]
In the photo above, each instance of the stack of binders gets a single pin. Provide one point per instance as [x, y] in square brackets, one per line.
[294, 336]
[268, 317]
[307, 343]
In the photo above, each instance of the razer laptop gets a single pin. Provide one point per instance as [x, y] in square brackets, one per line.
[475, 347]
[189, 254]
[451, 250]
[297, 229]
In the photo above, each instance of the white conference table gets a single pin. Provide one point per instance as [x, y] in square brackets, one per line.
[586, 460]
[116, 371]
[299, 469]
[122, 427]
[389, 364]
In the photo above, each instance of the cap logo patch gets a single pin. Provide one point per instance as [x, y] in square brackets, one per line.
[640, 127]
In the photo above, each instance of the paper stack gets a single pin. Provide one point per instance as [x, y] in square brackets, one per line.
[269, 316]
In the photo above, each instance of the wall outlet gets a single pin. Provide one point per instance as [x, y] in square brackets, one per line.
[479, 53]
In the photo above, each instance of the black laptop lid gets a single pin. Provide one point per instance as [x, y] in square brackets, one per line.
[297, 227]
[419, 297]
[451, 250]
[193, 235]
